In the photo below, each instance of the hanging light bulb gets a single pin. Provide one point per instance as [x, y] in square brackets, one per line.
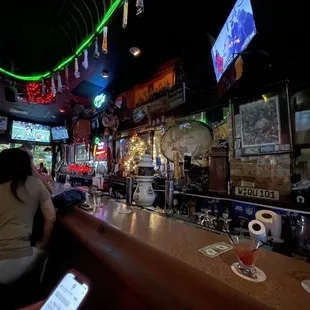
[135, 51]
[105, 74]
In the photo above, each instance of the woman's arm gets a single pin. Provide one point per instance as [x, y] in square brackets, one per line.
[49, 215]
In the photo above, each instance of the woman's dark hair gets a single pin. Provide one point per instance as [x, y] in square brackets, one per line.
[15, 167]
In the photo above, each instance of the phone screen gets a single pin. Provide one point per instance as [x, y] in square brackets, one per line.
[68, 295]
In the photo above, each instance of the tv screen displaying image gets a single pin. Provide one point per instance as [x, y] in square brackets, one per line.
[237, 33]
[24, 131]
[59, 133]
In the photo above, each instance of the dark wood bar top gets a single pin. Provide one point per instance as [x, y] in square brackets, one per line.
[145, 245]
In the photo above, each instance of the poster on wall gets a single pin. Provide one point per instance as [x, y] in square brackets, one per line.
[260, 123]
[3, 123]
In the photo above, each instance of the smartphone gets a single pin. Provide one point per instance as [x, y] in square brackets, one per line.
[69, 294]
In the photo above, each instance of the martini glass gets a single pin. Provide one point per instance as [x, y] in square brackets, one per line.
[247, 251]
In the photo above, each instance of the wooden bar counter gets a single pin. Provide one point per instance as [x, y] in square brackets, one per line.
[146, 261]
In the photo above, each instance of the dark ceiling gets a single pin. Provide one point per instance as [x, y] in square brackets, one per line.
[39, 34]
[36, 35]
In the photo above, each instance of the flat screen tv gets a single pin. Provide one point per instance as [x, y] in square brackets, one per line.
[237, 33]
[59, 133]
[25, 131]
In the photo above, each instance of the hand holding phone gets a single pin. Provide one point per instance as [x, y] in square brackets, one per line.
[69, 294]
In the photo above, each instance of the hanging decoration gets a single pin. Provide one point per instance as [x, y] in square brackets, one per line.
[96, 54]
[81, 132]
[34, 92]
[136, 148]
[125, 14]
[105, 40]
[59, 82]
[85, 61]
[66, 74]
[76, 68]
[140, 7]
[53, 88]
[114, 5]
[43, 87]
[109, 120]
[106, 132]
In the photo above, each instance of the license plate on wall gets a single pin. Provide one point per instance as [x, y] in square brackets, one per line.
[257, 193]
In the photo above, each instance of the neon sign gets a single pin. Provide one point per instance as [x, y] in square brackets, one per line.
[99, 101]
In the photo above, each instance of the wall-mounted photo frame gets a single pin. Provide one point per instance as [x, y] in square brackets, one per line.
[300, 103]
[81, 154]
[262, 120]
[3, 123]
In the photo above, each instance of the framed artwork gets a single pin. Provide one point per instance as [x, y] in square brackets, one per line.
[81, 154]
[260, 123]
[300, 103]
[3, 123]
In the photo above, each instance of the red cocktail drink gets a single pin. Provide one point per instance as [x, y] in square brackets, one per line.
[246, 252]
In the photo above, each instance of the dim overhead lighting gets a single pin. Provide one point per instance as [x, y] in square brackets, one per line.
[53, 116]
[135, 51]
[105, 74]
[61, 110]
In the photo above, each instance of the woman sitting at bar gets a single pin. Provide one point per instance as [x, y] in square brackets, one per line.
[20, 194]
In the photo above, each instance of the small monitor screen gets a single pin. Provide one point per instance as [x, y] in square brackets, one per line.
[59, 133]
[24, 131]
[237, 33]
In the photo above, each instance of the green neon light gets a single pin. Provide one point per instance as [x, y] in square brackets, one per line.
[83, 45]
[99, 101]
[97, 140]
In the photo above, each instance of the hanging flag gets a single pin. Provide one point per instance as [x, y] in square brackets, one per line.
[59, 83]
[105, 40]
[125, 14]
[53, 88]
[140, 7]
[43, 87]
[85, 61]
[96, 54]
[76, 68]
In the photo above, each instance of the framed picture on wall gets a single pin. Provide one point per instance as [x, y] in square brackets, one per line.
[262, 120]
[81, 154]
[300, 103]
[3, 123]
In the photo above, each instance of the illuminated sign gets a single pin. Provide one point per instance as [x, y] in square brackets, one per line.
[100, 149]
[97, 140]
[99, 101]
